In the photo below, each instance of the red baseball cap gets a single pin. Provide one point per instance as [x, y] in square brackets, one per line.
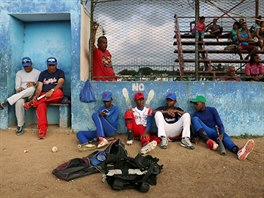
[139, 95]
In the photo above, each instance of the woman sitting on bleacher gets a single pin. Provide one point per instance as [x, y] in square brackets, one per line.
[244, 37]
[233, 33]
[254, 69]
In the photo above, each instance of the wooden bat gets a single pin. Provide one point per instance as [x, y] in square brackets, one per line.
[220, 143]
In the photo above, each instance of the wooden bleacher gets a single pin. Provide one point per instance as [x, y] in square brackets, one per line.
[183, 39]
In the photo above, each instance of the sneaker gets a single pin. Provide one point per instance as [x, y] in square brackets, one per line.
[130, 137]
[164, 143]
[102, 142]
[20, 130]
[212, 144]
[85, 147]
[3, 105]
[28, 105]
[245, 150]
[185, 142]
[148, 147]
[41, 135]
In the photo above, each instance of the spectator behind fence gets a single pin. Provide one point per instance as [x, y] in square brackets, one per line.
[260, 36]
[102, 59]
[201, 27]
[255, 26]
[244, 37]
[241, 21]
[215, 29]
[26, 81]
[254, 69]
[231, 74]
[233, 33]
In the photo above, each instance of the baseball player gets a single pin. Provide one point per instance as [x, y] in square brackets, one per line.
[26, 81]
[204, 121]
[49, 90]
[138, 123]
[106, 122]
[172, 122]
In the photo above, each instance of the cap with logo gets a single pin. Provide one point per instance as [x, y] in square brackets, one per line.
[26, 61]
[198, 99]
[106, 96]
[139, 95]
[171, 96]
[51, 61]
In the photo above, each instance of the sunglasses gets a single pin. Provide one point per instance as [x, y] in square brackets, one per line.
[26, 61]
[52, 60]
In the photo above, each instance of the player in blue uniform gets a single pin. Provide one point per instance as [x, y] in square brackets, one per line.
[106, 122]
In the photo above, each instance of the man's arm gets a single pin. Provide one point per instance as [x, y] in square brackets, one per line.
[95, 27]
[38, 91]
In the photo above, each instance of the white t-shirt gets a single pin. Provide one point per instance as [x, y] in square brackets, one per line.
[141, 116]
[23, 77]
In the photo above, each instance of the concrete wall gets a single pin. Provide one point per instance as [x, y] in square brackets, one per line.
[38, 29]
[240, 104]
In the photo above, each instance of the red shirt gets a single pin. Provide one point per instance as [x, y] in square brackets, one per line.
[102, 66]
[256, 69]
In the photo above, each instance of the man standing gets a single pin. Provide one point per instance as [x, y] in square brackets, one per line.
[205, 120]
[102, 63]
[172, 122]
[49, 87]
[26, 80]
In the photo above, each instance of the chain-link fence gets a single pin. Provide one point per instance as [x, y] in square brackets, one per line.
[142, 37]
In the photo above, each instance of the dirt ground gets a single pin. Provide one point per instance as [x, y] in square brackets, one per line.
[187, 173]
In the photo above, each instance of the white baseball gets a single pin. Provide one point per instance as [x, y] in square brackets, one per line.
[54, 149]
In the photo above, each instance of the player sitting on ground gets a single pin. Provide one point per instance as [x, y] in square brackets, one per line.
[138, 123]
[106, 122]
[173, 122]
[204, 121]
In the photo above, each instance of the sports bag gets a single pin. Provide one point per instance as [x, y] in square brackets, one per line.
[137, 173]
[93, 163]
[87, 94]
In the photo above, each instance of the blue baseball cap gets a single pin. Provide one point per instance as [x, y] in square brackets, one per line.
[171, 96]
[26, 61]
[106, 96]
[51, 61]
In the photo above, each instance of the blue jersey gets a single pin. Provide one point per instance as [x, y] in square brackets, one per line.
[50, 80]
[210, 117]
[112, 114]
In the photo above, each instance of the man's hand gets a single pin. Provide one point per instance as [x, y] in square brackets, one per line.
[170, 112]
[103, 113]
[220, 137]
[49, 93]
[95, 26]
[20, 89]
[30, 84]
[144, 135]
[34, 99]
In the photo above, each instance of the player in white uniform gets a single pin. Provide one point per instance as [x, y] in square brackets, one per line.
[26, 80]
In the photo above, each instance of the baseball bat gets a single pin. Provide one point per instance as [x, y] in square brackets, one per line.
[41, 97]
[220, 143]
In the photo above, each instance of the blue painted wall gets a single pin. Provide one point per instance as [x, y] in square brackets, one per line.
[240, 104]
[39, 40]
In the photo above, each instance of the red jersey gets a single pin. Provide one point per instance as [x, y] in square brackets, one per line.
[102, 66]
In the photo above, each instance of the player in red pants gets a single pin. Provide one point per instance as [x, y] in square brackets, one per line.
[138, 123]
[48, 91]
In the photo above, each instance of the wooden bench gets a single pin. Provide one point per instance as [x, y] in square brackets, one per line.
[64, 114]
